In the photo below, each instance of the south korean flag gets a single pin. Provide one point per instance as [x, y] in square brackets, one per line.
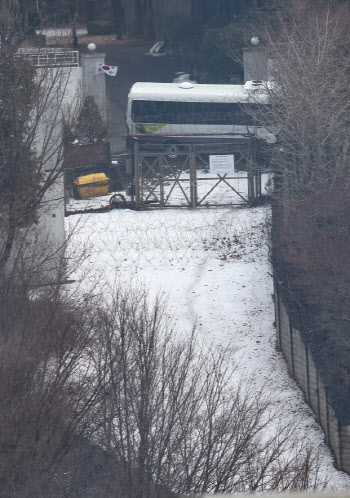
[104, 68]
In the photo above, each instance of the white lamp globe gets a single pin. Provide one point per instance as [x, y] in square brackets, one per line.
[271, 138]
[255, 41]
[91, 47]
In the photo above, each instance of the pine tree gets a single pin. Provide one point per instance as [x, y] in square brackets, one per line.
[90, 127]
[19, 170]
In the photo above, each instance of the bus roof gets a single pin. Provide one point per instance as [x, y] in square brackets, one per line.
[175, 92]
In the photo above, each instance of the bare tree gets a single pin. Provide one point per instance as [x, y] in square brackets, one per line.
[12, 22]
[118, 14]
[32, 101]
[307, 53]
[309, 107]
[309, 101]
[49, 395]
[175, 420]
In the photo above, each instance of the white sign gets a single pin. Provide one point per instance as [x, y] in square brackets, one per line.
[222, 164]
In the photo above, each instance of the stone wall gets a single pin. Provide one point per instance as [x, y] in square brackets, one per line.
[302, 367]
[254, 64]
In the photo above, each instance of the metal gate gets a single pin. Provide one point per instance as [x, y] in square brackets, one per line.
[183, 178]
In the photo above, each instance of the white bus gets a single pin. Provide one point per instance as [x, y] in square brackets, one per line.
[173, 114]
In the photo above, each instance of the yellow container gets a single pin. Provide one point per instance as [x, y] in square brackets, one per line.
[91, 185]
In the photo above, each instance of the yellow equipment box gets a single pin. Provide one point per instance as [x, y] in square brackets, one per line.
[91, 185]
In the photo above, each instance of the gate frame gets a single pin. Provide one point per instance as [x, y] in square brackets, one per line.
[253, 177]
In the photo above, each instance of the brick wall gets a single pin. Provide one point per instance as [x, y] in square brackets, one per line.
[302, 367]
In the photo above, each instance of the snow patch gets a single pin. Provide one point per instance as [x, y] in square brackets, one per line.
[56, 32]
[183, 77]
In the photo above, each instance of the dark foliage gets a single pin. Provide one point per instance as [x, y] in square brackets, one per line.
[19, 172]
[310, 250]
[46, 401]
[309, 107]
[89, 127]
[100, 27]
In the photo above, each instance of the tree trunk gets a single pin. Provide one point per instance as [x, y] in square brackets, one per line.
[118, 13]
[198, 11]
[89, 9]
[140, 17]
[8, 245]
[74, 36]
[150, 19]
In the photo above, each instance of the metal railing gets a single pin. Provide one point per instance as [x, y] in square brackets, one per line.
[66, 58]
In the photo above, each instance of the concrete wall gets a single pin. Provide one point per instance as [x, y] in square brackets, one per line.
[46, 240]
[302, 367]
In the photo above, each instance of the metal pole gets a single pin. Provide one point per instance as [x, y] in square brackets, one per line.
[137, 175]
[257, 173]
[131, 158]
[193, 178]
[161, 178]
[250, 175]
[258, 181]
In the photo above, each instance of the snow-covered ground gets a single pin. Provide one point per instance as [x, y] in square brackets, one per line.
[213, 265]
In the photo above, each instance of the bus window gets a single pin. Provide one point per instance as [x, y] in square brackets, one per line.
[146, 111]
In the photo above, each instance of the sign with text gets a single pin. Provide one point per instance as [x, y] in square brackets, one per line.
[222, 164]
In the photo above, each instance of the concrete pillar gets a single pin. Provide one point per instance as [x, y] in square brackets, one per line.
[254, 64]
[94, 85]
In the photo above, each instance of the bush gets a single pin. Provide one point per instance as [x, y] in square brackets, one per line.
[89, 127]
[100, 28]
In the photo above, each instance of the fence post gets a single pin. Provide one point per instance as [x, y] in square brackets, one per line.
[249, 179]
[328, 434]
[251, 185]
[318, 398]
[161, 178]
[137, 175]
[291, 346]
[340, 443]
[258, 183]
[193, 178]
[278, 314]
[307, 373]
